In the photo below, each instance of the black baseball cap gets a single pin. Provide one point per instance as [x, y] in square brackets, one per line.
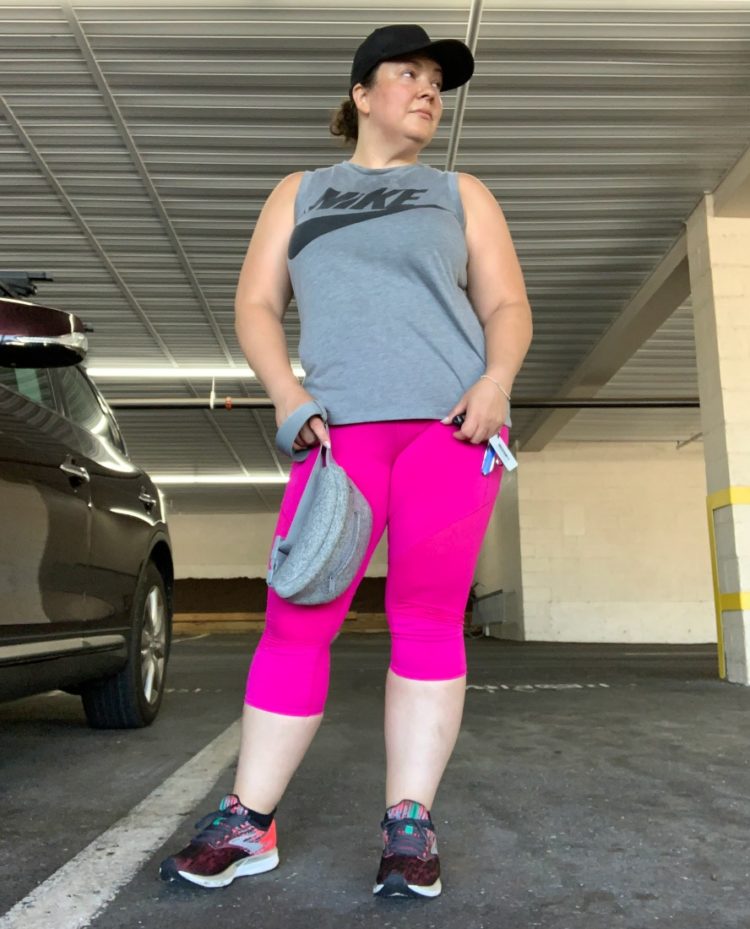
[454, 57]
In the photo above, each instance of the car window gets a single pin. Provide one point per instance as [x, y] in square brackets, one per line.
[33, 383]
[117, 436]
[81, 403]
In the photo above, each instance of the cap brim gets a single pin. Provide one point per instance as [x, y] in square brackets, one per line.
[453, 56]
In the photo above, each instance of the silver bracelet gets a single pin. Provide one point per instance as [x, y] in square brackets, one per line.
[501, 389]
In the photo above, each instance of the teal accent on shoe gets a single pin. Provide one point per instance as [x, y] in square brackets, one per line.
[407, 809]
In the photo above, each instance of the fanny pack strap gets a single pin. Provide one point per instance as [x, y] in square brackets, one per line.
[306, 500]
[291, 426]
[283, 545]
[285, 437]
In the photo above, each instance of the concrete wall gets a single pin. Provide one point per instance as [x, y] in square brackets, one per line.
[221, 544]
[499, 565]
[233, 545]
[614, 543]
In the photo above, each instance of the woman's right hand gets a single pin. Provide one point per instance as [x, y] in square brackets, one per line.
[314, 431]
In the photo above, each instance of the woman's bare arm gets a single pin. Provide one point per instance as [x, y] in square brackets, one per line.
[263, 294]
[496, 287]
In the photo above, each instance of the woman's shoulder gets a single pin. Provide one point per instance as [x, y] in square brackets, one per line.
[467, 184]
[285, 191]
[470, 183]
[474, 193]
[293, 182]
[290, 182]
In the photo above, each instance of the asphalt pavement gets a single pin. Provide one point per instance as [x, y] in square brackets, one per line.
[592, 786]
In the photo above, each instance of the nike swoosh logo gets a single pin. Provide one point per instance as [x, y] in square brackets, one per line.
[312, 229]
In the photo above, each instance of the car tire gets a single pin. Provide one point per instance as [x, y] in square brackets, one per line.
[131, 698]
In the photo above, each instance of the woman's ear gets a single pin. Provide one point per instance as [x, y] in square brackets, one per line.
[360, 98]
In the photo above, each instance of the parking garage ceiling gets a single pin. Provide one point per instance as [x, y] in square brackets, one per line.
[139, 141]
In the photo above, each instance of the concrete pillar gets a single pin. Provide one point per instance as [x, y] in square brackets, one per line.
[719, 258]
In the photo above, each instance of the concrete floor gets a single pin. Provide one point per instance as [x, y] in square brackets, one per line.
[592, 786]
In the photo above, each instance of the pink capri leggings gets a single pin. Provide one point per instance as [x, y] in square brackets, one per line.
[427, 487]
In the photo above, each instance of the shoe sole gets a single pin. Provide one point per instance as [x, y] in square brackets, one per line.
[395, 886]
[245, 867]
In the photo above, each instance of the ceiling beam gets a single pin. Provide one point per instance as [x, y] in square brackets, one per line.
[45, 170]
[472, 35]
[118, 119]
[129, 296]
[231, 403]
[666, 288]
[732, 196]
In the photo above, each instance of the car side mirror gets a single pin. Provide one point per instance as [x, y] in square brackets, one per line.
[33, 336]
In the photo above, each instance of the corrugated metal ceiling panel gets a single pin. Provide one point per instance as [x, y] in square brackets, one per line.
[598, 127]
[663, 367]
[581, 116]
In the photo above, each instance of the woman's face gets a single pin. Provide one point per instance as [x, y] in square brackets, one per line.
[405, 98]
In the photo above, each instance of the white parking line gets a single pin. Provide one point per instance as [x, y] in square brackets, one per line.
[81, 888]
[190, 638]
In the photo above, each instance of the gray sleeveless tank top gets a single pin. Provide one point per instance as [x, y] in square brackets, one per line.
[377, 261]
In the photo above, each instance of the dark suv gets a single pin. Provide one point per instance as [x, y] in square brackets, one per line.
[86, 576]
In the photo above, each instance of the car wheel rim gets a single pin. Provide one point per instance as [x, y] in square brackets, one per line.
[153, 645]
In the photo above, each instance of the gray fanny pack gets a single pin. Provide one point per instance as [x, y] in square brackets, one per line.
[326, 542]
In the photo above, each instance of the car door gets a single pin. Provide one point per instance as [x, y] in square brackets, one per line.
[122, 519]
[45, 512]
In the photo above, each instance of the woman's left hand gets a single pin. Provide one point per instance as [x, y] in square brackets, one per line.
[485, 409]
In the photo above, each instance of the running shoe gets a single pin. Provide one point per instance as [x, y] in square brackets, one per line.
[410, 866]
[228, 845]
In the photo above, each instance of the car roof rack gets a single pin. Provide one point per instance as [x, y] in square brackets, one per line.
[21, 283]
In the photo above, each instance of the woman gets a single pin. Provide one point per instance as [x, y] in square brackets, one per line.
[413, 310]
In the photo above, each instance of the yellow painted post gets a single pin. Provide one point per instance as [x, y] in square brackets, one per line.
[730, 496]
